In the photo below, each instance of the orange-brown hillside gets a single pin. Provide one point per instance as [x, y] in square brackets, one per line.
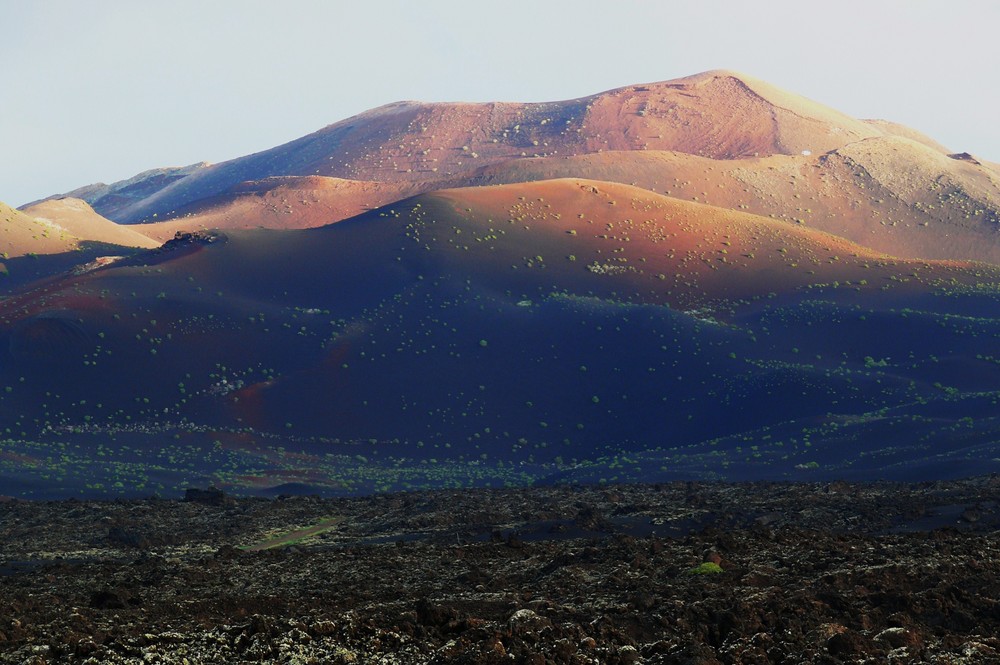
[719, 137]
[21, 234]
[75, 217]
[718, 114]
[889, 193]
[665, 249]
[280, 202]
[57, 227]
[889, 128]
[63, 236]
[599, 238]
[585, 236]
[893, 194]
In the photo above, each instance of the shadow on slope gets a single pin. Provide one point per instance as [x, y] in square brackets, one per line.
[491, 336]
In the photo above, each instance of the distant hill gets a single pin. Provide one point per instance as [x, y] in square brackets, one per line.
[77, 217]
[56, 236]
[718, 114]
[888, 193]
[719, 137]
[281, 202]
[111, 200]
[23, 234]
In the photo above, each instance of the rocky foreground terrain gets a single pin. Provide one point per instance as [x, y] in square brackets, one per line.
[675, 573]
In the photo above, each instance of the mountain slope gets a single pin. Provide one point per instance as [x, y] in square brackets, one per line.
[507, 334]
[718, 137]
[889, 128]
[22, 234]
[70, 235]
[889, 193]
[718, 114]
[111, 200]
[77, 218]
[281, 202]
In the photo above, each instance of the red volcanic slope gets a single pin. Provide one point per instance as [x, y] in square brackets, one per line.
[581, 236]
[666, 250]
[577, 235]
[22, 234]
[718, 137]
[75, 217]
[889, 128]
[892, 194]
[60, 237]
[60, 227]
[717, 114]
[280, 202]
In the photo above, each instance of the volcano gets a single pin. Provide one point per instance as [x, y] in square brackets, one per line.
[698, 279]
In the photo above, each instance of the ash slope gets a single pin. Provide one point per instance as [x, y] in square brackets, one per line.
[58, 236]
[717, 137]
[76, 217]
[717, 114]
[889, 193]
[560, 330]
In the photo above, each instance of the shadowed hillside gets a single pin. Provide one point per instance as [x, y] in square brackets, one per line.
[565, 329]
[111, 200]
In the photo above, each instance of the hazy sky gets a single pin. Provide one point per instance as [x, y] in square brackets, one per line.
[100, 90]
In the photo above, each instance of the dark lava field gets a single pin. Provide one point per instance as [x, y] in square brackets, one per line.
[698, 573]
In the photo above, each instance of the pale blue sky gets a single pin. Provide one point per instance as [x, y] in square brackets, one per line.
[100, 90]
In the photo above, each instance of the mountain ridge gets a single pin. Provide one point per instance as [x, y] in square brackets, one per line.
[390, 143]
